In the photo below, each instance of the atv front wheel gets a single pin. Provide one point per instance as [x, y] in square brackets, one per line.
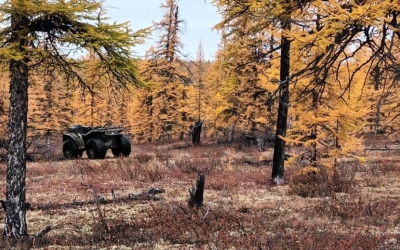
[70, 149]
[123, 147]
[95, 149]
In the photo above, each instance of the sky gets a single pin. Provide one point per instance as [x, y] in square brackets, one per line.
[200, 16]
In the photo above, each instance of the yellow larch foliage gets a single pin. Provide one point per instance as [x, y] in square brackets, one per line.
[4, 104]
[163, 104]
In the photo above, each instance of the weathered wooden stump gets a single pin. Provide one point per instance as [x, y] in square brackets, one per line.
[197, 192]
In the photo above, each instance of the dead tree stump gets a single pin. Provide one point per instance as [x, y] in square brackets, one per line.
[197, 192]
[196, 133]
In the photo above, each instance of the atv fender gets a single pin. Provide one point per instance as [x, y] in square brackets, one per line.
[75, 138]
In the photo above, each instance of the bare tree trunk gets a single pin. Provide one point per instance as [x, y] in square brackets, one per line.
[16, 159]
[47, 138]
[196, 133]
[377, 117]
[231, 132]
[337, 145]
[278, 168]
[314, 129]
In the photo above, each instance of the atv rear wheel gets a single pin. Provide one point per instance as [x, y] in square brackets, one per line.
[123, 147]
[70, 150]
[95, 149]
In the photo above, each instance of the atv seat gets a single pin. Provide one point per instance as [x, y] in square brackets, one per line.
[80, 129]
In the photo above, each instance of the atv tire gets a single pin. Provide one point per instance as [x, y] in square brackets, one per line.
[95, 149]
[123, 147]
[70, 150]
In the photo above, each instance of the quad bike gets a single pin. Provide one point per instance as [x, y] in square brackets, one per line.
[95, 141]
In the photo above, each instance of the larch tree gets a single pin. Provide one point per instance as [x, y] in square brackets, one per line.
[197, 95]
[168, 75]
[198, 81]
[380, 92]
[39, 105]
[246, 61]
[51, 89]
[118, 109]
[333, 31]
[327, 120]
[278, 167]
[274, 17]
[65, 108]
[215, 100]
[96, 97]
[334, 42]
[41, 34]
[143, 107]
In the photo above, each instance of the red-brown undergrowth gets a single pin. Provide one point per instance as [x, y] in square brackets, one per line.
[242, 209]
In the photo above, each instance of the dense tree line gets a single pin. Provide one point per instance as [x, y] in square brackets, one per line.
[239, 91]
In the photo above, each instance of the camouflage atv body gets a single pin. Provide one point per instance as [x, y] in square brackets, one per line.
[95, 141]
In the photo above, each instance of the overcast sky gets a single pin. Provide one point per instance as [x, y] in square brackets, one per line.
[200, 16]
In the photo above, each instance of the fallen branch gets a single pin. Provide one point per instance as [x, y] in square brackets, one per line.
[383, 149]
[145, 195]
[43, 232]
[257, 162]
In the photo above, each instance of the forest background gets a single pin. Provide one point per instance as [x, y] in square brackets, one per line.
[344, 79]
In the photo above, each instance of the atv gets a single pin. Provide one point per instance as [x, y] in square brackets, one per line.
[95, 141]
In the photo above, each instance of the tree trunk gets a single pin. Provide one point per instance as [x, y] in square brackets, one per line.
[231, 132]
[278, 168]
[196, 133]
[16, 159]
[47, 138]
[377, 117]
[314, 129]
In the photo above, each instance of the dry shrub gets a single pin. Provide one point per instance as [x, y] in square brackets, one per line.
[128, 171]
[312, 181]
[172, 225]
[374, 181]
[94, 167]
[162, 156]
[225, 180]
[155, 171]
[143, 158]
[348, 208]
[198, 165]
[323, 180]
[180, 225]
[222, 181]
[194, 160]
[132, 169]
[43, 169]
[343, 178]
[384, 166]
[324, 239]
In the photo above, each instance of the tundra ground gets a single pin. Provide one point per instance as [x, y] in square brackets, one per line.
[82, 202]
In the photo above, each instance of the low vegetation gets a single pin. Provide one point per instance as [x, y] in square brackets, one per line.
[354, 206]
